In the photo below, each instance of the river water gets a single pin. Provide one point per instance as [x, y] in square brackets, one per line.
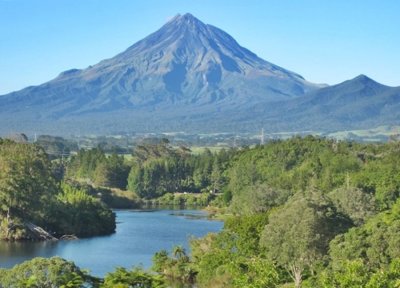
[138, 236]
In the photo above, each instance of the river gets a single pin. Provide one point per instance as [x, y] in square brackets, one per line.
[138, 236]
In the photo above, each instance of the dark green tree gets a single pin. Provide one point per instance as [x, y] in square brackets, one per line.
[27, 183]
[297, 236]
[46, 273]
[355, 203]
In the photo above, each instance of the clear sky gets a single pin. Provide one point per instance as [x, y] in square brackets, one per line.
[325, 41]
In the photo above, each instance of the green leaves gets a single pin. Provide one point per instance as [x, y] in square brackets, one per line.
[254, 272]
[175, 267]
[46, 273]
[95, 166]
[354, 274]
[177, 172]
[376, 242]
[298, 234]
[80, 214]
[355, 203]
[136, 278]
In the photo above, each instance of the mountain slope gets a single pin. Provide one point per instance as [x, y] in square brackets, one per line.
[357, 103]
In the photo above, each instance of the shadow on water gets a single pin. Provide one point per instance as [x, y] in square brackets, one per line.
[16, 252]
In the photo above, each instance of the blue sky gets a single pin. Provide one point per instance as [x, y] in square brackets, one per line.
[324, 41]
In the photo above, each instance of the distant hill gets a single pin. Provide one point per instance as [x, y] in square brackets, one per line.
[190, 76]
[359, 103]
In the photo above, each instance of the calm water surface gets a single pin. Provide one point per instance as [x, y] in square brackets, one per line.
[138, 236]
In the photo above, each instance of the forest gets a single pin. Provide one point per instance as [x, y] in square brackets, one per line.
[302, 212]
[32, 192]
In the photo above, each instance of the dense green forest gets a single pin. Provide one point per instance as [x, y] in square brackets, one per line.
[303, 212]
[154, 170]
[32, 193]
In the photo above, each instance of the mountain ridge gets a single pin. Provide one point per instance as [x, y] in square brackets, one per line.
[360, 102]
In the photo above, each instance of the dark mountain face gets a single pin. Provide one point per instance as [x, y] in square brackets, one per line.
[185, 76]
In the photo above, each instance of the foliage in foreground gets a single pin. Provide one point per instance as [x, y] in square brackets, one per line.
[123, 278]
[311, 212]
[46, 273]
[354, 273]
[56, 272]
[329, 216]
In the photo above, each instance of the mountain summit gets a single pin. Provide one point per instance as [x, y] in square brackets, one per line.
[184, 62]
[186, 76]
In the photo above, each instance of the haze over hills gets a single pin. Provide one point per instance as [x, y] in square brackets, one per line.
[189, 76]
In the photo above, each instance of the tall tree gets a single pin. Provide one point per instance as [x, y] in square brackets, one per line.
[26, 180]
[298, 234]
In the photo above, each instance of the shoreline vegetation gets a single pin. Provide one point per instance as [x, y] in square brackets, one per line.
[302, 212]
[36, 204]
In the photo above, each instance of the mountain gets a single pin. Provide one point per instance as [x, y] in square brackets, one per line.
[358, 103]
[186, 69]
[187, 76]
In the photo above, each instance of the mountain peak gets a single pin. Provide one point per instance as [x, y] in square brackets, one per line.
[186, 19]
[363, 78]
[188, 16]
[366, 81]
